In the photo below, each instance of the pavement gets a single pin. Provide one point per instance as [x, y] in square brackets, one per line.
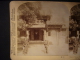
[56, 46]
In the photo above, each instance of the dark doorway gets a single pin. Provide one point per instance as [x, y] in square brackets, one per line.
[36, 34]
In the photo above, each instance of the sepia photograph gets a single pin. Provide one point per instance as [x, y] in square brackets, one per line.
[45, 28]
[74, 30]
[42, 29]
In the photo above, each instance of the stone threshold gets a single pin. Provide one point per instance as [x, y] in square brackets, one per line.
[36, 42]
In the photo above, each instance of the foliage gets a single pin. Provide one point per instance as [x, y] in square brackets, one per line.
[29, 11]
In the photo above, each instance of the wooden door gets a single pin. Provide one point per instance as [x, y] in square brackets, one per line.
[36, 34]
[31, 36]
[40, 34]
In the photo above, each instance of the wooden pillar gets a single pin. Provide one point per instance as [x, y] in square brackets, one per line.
[47, 35]
[57, 38]
[45, 41]
[44, 34]
[27, 32]
[78, 34]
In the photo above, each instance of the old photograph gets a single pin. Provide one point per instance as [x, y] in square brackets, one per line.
[45, 28]
[74, 30]
[42, 29]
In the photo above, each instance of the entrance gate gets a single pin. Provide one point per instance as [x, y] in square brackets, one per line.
[36, 34]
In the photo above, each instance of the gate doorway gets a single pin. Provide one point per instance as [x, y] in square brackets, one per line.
[36, 35]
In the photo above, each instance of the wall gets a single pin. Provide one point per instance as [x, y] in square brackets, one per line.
[57, 43]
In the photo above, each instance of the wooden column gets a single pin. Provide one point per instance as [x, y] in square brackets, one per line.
[78, 34]
[47, 35]
[45, 41]
[44, 34]
[27, 32]
[57, 38]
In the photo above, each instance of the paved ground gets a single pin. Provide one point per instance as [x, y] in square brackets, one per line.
[72, 54]
[56, 46]
[53, 49]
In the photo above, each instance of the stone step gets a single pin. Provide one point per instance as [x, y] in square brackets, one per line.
[36, 42]
[19, 49]
[20, 45]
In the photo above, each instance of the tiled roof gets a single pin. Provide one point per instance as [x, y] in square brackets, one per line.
[55, 22]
